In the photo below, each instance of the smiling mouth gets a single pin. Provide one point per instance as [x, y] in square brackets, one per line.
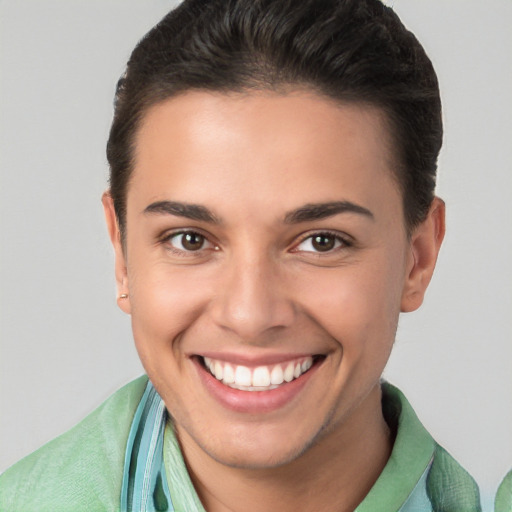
[259, 378]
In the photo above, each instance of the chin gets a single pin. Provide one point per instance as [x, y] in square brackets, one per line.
[257, 458]
[265, 447]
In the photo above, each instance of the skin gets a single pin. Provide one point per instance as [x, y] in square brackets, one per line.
[258, 287]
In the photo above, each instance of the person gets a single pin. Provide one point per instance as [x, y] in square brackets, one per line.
[272, 211]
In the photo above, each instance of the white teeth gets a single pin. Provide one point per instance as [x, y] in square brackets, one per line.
[252, 388]
[229, 374]
[276, 376]
[261, 377]
[306, 365]
[243, 376]
[218, 371]
[288, 373]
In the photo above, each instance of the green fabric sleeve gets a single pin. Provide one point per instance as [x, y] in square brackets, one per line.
[503, 501]
[450, 487]
[82, 469]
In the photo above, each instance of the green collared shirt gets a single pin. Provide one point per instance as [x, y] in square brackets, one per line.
[82, 470]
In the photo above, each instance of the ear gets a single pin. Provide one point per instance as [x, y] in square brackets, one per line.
[424, 247]
[123, 292]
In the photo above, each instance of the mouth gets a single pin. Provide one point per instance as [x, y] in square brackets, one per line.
[258, 378]
[253, 387]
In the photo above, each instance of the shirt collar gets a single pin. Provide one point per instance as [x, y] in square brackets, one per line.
[412, 453]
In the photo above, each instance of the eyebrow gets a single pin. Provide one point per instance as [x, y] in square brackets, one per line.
[189, 211]
[318, 211]
[308, 212]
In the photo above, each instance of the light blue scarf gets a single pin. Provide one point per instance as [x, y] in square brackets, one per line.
[144, 487]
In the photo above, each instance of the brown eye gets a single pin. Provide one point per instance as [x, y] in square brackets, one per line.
[192, 241]
[188, 241]
[323, 242]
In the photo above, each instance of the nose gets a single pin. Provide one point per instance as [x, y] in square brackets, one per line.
[252, 301]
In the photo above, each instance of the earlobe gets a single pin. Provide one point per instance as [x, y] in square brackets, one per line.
[123, 296]
[424, 248]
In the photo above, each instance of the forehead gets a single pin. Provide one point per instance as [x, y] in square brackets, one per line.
[274, 149]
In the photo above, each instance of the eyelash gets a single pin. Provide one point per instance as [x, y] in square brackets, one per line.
[166, 240]
[342, 242]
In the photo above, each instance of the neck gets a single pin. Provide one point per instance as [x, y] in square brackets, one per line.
[335, 473]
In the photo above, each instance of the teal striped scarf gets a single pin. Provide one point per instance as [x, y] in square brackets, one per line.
[144, 485]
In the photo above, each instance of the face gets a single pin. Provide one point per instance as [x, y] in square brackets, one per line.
[266, 263]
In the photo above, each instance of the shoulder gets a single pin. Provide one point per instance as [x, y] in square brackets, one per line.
[81, 469]
[429, 473]
[449, 486]
[504, 495]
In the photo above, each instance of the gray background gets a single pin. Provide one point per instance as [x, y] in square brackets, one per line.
[64, 344]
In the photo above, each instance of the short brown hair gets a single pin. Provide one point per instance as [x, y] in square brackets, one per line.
[347, 50]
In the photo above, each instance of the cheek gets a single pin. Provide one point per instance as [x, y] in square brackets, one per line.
[358, 306]
[165, 301]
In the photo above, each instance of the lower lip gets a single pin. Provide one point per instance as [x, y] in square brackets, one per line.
[254, 402]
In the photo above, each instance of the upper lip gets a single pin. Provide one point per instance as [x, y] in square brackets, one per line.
[254, 360]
